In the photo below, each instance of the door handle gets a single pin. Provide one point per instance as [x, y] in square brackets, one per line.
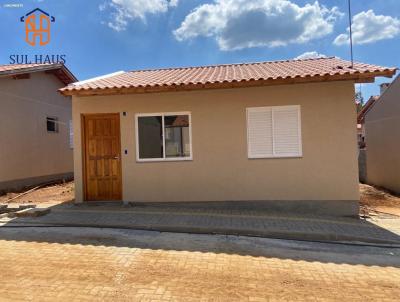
[116, 157]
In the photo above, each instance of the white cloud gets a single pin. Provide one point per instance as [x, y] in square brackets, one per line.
[310, 55]
[368, 28]
[128, 10]
[102, 7]
[237, 24]
[173, 3]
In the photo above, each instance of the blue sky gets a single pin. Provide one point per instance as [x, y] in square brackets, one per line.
[104, 36]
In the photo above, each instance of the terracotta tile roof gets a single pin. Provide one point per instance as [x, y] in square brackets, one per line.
[58, 69]
[232, 75]
[367, 106]
[18, 67]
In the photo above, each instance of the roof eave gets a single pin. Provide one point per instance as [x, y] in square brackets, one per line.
[29, 69]
[366, 77]
[49, 67]
[69, 74]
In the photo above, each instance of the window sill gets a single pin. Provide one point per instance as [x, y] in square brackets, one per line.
[278, 156]
[152, 160]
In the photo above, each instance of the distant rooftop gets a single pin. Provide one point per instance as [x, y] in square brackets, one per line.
[58, 69]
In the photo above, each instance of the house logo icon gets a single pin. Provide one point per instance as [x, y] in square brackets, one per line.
[37, 27]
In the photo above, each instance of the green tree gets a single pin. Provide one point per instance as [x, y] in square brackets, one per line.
[359, 100]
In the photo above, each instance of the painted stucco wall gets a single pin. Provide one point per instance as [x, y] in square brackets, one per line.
[382, 127]
[27, 150]
[220, 169]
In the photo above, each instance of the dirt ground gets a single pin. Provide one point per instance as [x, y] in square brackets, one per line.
[373, 201]
[57, 193]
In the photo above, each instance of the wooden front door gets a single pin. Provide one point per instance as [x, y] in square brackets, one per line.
[102, 157]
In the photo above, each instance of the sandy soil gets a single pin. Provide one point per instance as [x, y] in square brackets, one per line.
[372, 200]
[375, 200]
[63, 192]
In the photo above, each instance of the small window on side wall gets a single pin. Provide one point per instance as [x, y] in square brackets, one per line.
[163, 137]
[52, 124]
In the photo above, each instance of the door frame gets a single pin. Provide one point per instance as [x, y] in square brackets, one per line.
[84, 148]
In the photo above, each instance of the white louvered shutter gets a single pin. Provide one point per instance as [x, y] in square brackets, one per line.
[287, 136]
[259, 132]
[274, 132]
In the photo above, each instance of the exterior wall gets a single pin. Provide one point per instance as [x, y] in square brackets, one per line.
[382, 124]
[220, 169]
[362, 165]
[27, 150]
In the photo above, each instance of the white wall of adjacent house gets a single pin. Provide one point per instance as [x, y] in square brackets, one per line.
[27, 148]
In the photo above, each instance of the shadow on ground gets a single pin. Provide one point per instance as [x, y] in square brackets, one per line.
[219, 244]
[115, 225]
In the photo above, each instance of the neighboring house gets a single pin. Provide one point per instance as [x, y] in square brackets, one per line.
[35, 124]
[363, 112]
[361, 120]
[277, 135]
[382, 130]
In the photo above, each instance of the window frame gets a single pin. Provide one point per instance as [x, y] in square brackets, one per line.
[56, 126]
[164, 158]
[294, 155]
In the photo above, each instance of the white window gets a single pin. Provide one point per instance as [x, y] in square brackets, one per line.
[274, 132]
[163, 136]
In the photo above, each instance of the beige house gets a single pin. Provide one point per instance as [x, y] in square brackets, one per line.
[382, 134]
[277, 135]
[35, 144]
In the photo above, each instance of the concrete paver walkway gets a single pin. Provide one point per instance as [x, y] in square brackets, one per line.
[219, 221]
[81, 264]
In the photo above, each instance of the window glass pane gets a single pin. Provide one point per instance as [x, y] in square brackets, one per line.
[177, 141]
[51, 124]
[150, 137]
